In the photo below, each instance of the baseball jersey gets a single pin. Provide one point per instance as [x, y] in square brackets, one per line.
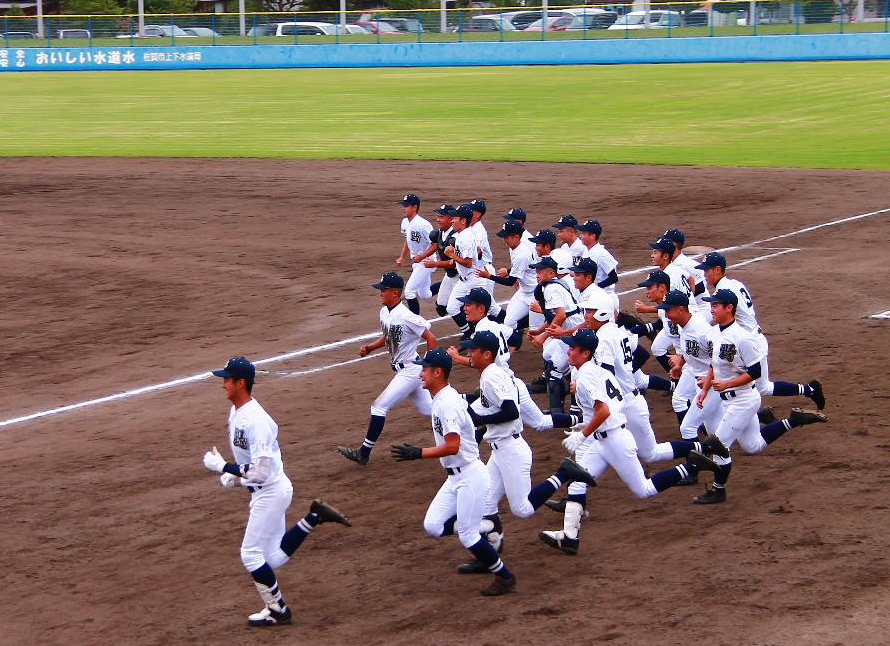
[520, 260]
[576, 249]
[482, 245]
[734, 350]
[744, 315]
[465, 245]
[696, 344]
[614, 350]
[678, 276]
[496, 386]
[672, 330]
[502, 332]
[526, 239]
[556, 294]
[443, 239]
[402, 330]
[449, 415]
[598, 384]
[253, 434]
[416, 232]
[605, 263]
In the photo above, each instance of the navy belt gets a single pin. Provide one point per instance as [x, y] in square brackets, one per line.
[635, 392]
[462, 279]
[451, 471]
[601, 435]
[729, 394]
[252, 489]
[495, 446]
[404, 364]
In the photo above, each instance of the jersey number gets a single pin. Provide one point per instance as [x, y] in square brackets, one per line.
[747, 296]
[612, 392]
[628, 355]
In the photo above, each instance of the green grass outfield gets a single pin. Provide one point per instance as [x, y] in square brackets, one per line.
[823, 115]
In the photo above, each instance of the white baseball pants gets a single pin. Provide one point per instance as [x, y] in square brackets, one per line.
[619, 451]
[445, 289]
[649, 449]
[418, 285]
[739, 422]
[517, 307]
[709, 415]
[462, 495]
[510, 472]
[405, 384]
[684, 390]
[265, 525]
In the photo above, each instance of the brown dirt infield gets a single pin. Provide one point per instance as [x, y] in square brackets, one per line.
[123, 273]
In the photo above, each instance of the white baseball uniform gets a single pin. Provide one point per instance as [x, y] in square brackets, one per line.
[465, 247]
[483, 248]
[442, 239]
[521, 259]
[605, 264]
[576, 250]
[557, 295]
[416, 231]
[690, 267]
[696, 344]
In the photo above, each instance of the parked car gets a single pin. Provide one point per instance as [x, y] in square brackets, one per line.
[485, 22]
[354, 30]
[406, 25]
[658, 19]
[307, 29]
[14, 35]
[697, 18]
[159, 31]
[522, 19]
[554, 23]
[262, 30]
[593, 17]
[377, 26]
[74, 33]
[203, 32]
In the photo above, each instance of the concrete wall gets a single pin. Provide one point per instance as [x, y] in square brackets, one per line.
[562, 52]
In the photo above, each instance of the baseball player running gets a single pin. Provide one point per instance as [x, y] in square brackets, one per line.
[521, 275]
[467, 259]
[520, 216]
[509, 466]
[460, 501]
[253, 436]
[735, 366]
[484, 251]
[607, 267]
[403, 330]
[690, 268]
[416, 231]
[605, 441]
[567, 232]
[440, 238]
[714, 266]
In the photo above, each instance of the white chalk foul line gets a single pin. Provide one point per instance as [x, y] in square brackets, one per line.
[363, 337]
[881, 315]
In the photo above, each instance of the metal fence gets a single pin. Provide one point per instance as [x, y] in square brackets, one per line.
[641, 20]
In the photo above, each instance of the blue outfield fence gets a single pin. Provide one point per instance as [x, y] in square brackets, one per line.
[568, 52]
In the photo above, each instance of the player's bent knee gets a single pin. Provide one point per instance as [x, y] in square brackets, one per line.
[522, 509]
[643, 489]
[433, 527]
[469, 536]
[577, 489]
[252, 558]
[379, 411]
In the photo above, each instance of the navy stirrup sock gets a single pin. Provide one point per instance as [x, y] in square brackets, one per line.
[295, 536]
[773, 431]
[414, 305]
[789, 389]
[375, 428]
[485, 553]
[659, 383]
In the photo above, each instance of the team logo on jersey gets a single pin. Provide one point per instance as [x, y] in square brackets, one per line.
[692, 347]
[710, 348]
[727, 352]
[394, 334]
[415, 236]
[484, 401]
[673, 328]
[239, 440]
[437, 425]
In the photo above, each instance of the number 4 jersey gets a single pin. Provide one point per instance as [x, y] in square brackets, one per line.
[597, 384]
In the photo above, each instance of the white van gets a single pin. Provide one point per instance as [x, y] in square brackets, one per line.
[658, 19]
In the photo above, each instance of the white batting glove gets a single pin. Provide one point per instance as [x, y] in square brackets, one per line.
[214, 461]
[228, 480]
[572, 441]
[580, 426]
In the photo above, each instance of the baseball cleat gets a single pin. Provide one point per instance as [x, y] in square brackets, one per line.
[817, 395]
[353, 454]
[269, 617]
[499, 586]
[801, 417]
[537, 386]
[327, 514]
[577, 473]
[703, 462]
[713, 446]
[767, 415]
[472, 567]
[711, 497]
[559, 541]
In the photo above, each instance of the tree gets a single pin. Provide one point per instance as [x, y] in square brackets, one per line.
[819, 11]
[164, 6]
[15, 10]
[91, 7]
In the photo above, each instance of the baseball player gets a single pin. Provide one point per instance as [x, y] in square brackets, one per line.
[253, 436]
[484, 250]
[403, 330]
[605, 441]
[416, 231]
[520, 216]
[567, 232]
[520, 275]
[735, 366]
[440, 238]
[714, 266]
[607, 267]
[691, 268]
[467, 259]
[544, 241]
[559, 309]
[458, 505]
[509, 466]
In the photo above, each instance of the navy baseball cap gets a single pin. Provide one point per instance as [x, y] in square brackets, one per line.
[510, 228]
[584, 338]
[516, 214]
[585, 266]
[483, 341]
[673, 298]
[566, 221]
[545, 263]
[712, 259]
[464, 211]
[477, 295]
[675, 235]
[237, 367]
[436, 358]
[591, 226]
[725, 296]
[655, 278]
[478, 205]
[445, 209]
[544, 236]
[663, 244]
[390, 280]
[410, 199]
